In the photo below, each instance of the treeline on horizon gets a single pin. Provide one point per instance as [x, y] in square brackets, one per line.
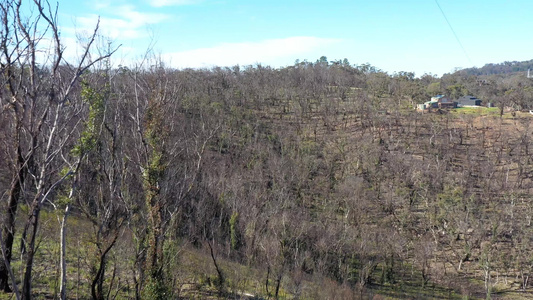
[314, 180]
[507, 67]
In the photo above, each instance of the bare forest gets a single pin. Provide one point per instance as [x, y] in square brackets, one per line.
[317, 180]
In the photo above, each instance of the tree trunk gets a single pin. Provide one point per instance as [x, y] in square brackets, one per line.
[63, 254]
[8, 230]
[8, 267]
[97, 285]
[28, 249]
[278, 285]
[266, 282]
[220, 280]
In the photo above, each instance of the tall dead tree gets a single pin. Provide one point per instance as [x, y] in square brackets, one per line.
[38, 85]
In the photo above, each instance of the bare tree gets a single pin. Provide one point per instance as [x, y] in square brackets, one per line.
[43, 112]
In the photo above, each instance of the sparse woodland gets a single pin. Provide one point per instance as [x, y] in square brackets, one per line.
[315, 181]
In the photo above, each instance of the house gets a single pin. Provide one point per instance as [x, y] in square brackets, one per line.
[421, 107]
[439, 101]
[443, 102]
[439, 98]
[468, 101]
[431, 104]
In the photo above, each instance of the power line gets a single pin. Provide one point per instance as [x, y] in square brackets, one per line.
[455, 34]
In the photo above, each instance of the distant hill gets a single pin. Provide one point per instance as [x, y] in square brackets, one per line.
[506, 67]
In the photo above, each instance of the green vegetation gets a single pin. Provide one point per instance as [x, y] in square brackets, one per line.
[312, 181]
[479, 111]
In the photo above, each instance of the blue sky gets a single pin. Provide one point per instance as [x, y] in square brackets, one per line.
[393, 35]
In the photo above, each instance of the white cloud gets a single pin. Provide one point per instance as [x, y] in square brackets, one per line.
[121, 24]
[101, 4]
[125, 22]
[73, 51]
[161, 3]
[271, 52]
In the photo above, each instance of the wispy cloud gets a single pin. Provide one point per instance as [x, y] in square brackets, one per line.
[270, 52]
[101, 4]
[124, 22]
[161, 3]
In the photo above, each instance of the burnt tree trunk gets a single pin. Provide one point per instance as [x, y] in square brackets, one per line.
[8, 230]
